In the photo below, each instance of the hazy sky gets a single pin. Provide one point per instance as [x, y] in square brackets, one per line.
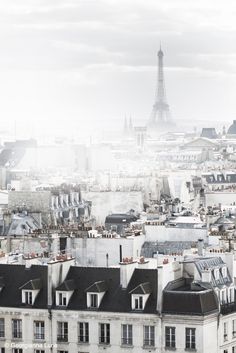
[95, 60]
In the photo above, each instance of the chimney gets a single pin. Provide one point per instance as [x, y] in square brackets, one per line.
[200, 246]
[57, 272]
[127, 267]
[159, 288]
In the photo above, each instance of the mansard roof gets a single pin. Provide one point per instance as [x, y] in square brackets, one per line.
[33, 284]
[17, 277]
[143, 288]
[180, 297]
[67, 285]
[115, 298]
[97, 287]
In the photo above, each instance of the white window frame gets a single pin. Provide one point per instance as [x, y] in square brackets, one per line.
[2, 327]
[170, 336]
[83, 332]
[104, 333]
[149, 336]
[39, 330]
[127, 335]
[16, 328]
[190, 338]
[62, 331]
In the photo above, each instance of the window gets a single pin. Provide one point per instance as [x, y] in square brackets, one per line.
[28, 298]
[16, 328]
[170, 336]
[234, 328]
[225, 331]
[190, 338]
[62, 351]
[216, 273]
[224, 272]
[2, 350]
[62, 299]
[104, 334]
[223, 296]
[62, 331]
[39, 333]
[39, 351]
[94, 300]
[138, 303]
[2, 328]
[149, 337]
[234, 349]
[83, 332]
[17, 350]
[127, 335]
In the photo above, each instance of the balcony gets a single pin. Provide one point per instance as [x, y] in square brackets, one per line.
[228, 308]
[62, 338]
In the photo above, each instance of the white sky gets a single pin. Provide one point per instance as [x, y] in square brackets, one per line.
[72, 62]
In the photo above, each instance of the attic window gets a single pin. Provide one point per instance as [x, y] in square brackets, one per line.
[216, 273]
[61, 299]
[93, 300]
[28, 297]
[138, 303]
[224, 272]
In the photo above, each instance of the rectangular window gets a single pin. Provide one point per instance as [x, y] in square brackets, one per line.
[2, 328]
[2, 350]
[138, 303]
[62, 351]
[190, 338]
[234, 328]
[16, 328]
[28, 298]
[62, 331]
[17, 350]
[39, 351]
[62, 299]
[94, 300]
[225, 331]
[127, 335]
[104, 334]
[39, 332]
[149, 336]
[83, 332]
[170, 336]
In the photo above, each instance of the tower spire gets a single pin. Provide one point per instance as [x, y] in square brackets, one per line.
[160, 110]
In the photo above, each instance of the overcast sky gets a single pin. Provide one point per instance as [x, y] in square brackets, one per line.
[95, 60]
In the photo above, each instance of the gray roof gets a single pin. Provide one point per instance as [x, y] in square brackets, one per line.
[180, 297]
[232, 129]
[211, 264]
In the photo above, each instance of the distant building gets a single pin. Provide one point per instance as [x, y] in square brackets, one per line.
[209, 133]
[231, 133]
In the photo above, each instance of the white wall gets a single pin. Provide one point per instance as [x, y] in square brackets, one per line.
[92, 251]
[163, 233]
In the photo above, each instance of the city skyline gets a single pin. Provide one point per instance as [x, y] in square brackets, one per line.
[67, 63]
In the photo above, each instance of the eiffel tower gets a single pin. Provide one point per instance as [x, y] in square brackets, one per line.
[160, 116]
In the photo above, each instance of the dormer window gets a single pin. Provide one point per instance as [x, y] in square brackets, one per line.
[216, 273]
[93, 300]
[61, 298]
[30, 290]
[64, 292]
[140, 295]
[224, 272]
[28, 297]
[95, 293]
[138, 303]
